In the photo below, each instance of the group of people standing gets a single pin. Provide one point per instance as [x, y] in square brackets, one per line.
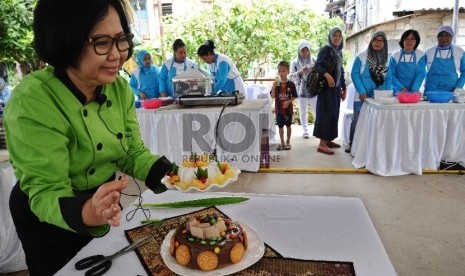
[440, 68]
[329, 65]
[72, 126]
[148, 81]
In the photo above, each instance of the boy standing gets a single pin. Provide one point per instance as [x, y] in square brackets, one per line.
[284, 93]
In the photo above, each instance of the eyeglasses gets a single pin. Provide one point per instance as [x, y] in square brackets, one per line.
[103, 44]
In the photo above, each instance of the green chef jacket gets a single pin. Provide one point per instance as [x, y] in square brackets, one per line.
[62, 149]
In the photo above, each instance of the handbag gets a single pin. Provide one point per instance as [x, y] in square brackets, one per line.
[315, 82]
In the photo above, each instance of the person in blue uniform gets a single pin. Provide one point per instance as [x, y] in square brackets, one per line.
[227, 77]
[329, 64]
[144, 79]
[172, 66]
[370, 71]
[408, 65]
[445, 63]
[5, 94]
[70, 127]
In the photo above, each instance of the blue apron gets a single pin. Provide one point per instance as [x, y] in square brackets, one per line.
[404, 70]
[442, 75]
[172, 72]
[229, 86]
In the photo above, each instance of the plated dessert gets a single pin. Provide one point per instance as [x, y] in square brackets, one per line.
[200, 172]
[208, 242]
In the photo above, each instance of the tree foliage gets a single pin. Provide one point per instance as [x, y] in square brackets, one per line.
[249, 31]
[16, 36]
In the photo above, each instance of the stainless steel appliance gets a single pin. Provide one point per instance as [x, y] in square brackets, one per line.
[194, 86]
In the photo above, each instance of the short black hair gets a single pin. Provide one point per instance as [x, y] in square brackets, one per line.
[61, 28]
[415, 34]
[177, 44]
[284, 64]
[206, 48]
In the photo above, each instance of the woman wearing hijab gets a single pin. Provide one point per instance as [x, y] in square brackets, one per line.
[5, 93]
[408, 64]
[170, 68]
[329, 65]
[445, 63]
[299, 68]
[144, 79]
[227, 77]
[370, 71]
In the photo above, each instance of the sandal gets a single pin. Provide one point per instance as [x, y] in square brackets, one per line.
[325, 151]
[287, 147]
[280, 147]
[331, 144]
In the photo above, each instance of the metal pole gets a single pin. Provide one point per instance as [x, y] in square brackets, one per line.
[455, 20]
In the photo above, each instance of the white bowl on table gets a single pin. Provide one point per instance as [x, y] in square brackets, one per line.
[383, 94]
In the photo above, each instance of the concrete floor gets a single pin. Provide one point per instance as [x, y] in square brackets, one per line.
[420, 219]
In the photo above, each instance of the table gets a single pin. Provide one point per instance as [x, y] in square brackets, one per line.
[12, 256]
[303, 227]
[176, 131]
[399, 139]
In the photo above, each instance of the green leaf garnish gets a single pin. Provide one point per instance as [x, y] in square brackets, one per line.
[205, 202]
[175, 168]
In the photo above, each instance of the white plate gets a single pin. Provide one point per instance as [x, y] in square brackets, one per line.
[213, 187]
[254, 252]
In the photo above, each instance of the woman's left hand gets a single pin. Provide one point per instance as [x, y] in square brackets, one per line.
[103, 207]
[330, 80]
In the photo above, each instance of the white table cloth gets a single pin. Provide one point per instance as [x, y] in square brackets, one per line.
[303, 227]
[11, 252]
[399, 139]
[167, 131]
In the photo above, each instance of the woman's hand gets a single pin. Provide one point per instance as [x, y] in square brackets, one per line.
[304, 70]
[362, 97]
[103, 207]
[163, 94]
[142, 95]
[330, 80]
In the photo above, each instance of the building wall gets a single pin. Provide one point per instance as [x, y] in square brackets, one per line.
[371, 12]
[426, 24]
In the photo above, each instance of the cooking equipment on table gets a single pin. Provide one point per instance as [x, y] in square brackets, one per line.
[222, 98]
[193, 81]
[151, 103]
[439, 96]
[383, 94]
[194, 86]
[408, 97]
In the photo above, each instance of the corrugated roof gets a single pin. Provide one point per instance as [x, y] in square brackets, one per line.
[420, 10]
[427, 5]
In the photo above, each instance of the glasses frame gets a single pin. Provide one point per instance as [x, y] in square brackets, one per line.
[115, 40]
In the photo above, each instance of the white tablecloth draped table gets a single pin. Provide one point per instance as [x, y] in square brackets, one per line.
[168, 130]
[302, 227]
[399, 139]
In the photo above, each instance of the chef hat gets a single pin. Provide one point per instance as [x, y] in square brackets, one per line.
[447, 29]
